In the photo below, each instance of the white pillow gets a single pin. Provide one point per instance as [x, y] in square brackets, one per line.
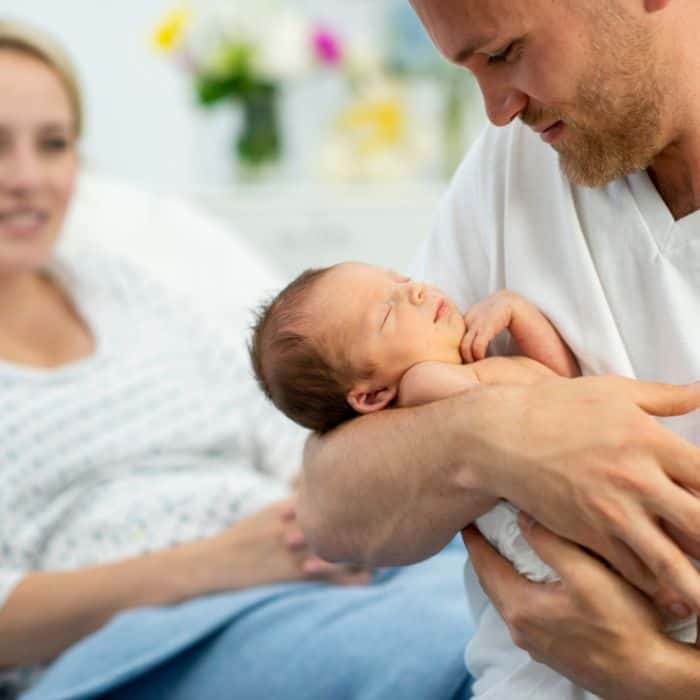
[197, 255]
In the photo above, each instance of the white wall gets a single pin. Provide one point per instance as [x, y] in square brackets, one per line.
[138, 123]
[141, 121]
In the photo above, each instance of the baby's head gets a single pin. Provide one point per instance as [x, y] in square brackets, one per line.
[336, 341]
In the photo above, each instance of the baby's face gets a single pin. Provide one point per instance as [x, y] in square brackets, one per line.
[382, 318]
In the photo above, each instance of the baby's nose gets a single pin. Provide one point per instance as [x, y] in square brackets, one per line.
[416, 293]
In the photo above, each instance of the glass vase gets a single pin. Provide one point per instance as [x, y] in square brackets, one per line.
[259, 142]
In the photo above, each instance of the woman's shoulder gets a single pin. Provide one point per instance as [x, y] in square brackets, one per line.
[97, 274]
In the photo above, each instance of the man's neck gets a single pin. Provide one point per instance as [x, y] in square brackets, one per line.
[675, 173]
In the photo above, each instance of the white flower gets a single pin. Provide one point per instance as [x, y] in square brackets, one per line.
[285, 47]
[278, 37]
[363, 61]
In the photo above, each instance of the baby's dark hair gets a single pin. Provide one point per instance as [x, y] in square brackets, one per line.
[293, 361]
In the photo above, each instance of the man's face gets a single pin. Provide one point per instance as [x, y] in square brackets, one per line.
[579, 72]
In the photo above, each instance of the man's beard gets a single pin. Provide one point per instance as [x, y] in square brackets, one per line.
[614, 125]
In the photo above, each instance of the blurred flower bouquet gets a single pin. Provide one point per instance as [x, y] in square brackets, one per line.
[246, 51]
[408, 107]
[410, 54]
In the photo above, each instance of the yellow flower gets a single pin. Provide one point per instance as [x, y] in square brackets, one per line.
[377, 124]
[170, 32]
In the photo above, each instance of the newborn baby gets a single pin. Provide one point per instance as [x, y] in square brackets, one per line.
[354, 338]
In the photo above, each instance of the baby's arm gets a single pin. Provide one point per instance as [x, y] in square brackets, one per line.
[530, 328]
[431, 381]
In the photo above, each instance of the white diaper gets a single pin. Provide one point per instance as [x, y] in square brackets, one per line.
[500, 527]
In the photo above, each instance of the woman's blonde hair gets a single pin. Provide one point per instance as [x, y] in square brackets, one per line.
[29, 40]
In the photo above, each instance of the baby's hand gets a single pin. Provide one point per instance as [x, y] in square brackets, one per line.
[485, 320]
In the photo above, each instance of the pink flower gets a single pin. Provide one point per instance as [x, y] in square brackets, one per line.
[326, 47]
[185, 60]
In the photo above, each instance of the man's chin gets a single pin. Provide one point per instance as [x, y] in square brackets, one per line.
[595, 163]
[588, 172]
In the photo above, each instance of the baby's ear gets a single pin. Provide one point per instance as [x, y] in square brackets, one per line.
[364, 401]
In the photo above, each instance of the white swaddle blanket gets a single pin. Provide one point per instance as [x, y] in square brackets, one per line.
[500, 527]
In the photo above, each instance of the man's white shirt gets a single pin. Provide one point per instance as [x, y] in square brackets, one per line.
[610, 267]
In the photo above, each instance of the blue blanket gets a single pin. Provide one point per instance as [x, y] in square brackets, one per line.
[402, 636]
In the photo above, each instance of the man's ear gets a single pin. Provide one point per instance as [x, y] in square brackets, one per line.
[365, 400]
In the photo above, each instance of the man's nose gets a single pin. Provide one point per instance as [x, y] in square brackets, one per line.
[416, 293]
[503, 103]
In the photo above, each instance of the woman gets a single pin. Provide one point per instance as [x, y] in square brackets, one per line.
[135, 459]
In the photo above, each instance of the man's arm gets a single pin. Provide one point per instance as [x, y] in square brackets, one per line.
[591, 626]
[390, 488]
[582, 455]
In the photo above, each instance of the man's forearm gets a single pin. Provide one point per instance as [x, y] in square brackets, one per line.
[673, 674]
[395, 487]
[666, 669]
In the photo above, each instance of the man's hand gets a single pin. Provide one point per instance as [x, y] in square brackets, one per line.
[591, 626]
[586, 459]
[583, 456]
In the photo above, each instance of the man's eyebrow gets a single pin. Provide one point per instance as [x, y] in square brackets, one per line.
[472, 46]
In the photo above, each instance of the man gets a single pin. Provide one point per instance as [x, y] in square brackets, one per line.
[586, 203]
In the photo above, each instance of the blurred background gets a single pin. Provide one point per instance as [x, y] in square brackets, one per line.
[318, 129]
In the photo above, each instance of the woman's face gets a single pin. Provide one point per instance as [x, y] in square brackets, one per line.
[38, 160]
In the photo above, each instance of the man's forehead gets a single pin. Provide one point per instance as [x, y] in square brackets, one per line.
[486, 14]
[459, 25]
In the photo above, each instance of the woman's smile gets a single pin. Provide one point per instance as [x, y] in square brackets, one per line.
[22, 222]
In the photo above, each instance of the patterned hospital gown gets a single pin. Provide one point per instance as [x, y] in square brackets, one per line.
[161, 436]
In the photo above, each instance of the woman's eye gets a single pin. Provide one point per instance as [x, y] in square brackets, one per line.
[501, 56]
[56, 145]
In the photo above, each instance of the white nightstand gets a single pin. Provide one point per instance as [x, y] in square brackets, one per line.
[297, 226]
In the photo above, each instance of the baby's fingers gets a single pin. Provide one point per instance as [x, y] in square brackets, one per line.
[465, 347]
[481, 344]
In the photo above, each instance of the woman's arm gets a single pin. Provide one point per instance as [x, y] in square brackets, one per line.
[49, 611]
[529, 327]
